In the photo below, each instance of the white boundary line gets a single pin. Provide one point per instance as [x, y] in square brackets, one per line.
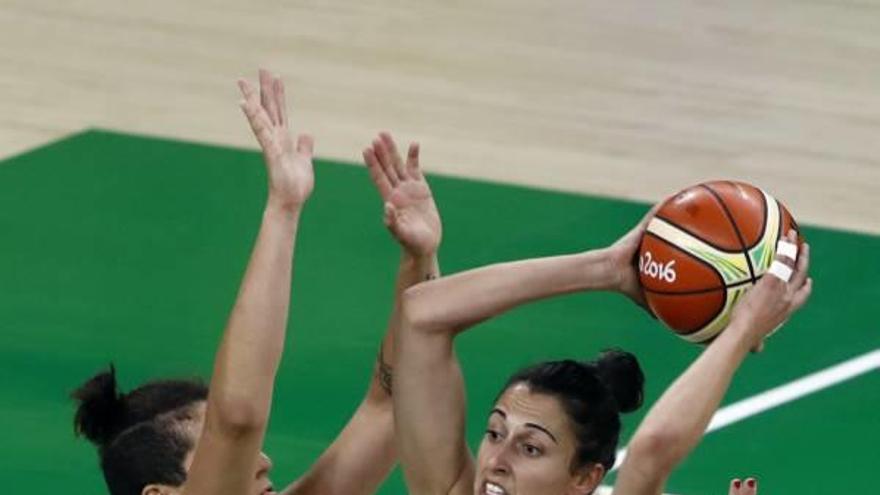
[801, 387]
[782, 394]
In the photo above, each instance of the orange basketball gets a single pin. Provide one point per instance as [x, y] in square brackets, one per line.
[705, 247]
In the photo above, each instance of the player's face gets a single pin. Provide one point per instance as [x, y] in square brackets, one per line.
[528, 448]
[261, 483]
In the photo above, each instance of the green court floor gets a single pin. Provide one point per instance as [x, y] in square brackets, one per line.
[130, 249]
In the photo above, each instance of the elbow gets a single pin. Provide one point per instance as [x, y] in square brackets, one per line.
[416, 312]
[237, 416]
[653, 453]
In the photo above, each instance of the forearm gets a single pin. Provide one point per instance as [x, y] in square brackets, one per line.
[429, 411]
[677, 421]
[363, 454]
[412, 271]
[464, 299]
[249, 355]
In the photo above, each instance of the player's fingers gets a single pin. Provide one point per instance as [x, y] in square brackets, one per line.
[640, 227]
[247, 91]
[258, 121]
[735, 487]
[787, 249]
[648, 216]
[412, 161]
[781, 269]
[750, 487]
[390, 217]
[267, 96]
[802, 295]
[281, 100]
[802, 268]
[377, 174]
[305, 144]
[391, 146]
[385, 160]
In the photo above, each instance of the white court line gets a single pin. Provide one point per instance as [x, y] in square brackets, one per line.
[774, 397]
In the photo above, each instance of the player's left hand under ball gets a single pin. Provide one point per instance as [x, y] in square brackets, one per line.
[623, 258]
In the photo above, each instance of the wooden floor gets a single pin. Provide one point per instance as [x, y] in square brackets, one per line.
[630, 98]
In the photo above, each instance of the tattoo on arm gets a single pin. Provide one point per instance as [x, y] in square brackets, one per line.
[384, 372]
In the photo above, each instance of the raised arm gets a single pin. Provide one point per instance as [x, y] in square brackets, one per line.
[457, 302]
[676, 423]
[240, 393]
[364, 452]
[429, 399]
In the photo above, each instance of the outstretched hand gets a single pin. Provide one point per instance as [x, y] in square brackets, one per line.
[288, 163]
[410, 212]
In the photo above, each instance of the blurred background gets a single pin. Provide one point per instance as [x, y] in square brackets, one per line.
[631, 99]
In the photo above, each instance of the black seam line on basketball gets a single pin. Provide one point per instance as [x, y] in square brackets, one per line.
[696, 236]
[714, 315]
[739, 236]
[764, 209]
[689, 255]
[698, 291]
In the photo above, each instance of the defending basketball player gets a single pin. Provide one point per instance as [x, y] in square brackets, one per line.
[554, 426]
[177, 437]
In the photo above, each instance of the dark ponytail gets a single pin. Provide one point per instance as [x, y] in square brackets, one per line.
[101, 412]
[593, 394]
[621, 373]
[139, 435]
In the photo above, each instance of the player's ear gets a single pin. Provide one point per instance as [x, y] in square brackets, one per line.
[586, 479]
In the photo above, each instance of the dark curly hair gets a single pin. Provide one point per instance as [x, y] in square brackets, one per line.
[139, 434]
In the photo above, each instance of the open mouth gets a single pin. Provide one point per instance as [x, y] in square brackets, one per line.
[490, 488]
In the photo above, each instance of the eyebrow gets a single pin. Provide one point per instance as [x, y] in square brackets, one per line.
[530, 425]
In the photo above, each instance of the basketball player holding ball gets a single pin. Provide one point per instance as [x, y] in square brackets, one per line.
[554, 426]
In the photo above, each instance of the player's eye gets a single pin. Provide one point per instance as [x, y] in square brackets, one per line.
[493, 435]
[531, 450]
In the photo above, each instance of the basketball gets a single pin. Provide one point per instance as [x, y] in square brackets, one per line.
[703, 249]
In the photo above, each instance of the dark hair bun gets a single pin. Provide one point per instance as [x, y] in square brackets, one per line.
[621, 373]
[100, 415]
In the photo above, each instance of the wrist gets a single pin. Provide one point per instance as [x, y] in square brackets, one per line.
[425, 264]
[276, 209]
[598, 270]
[276, 205]
[740, 332]
[417, 258]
